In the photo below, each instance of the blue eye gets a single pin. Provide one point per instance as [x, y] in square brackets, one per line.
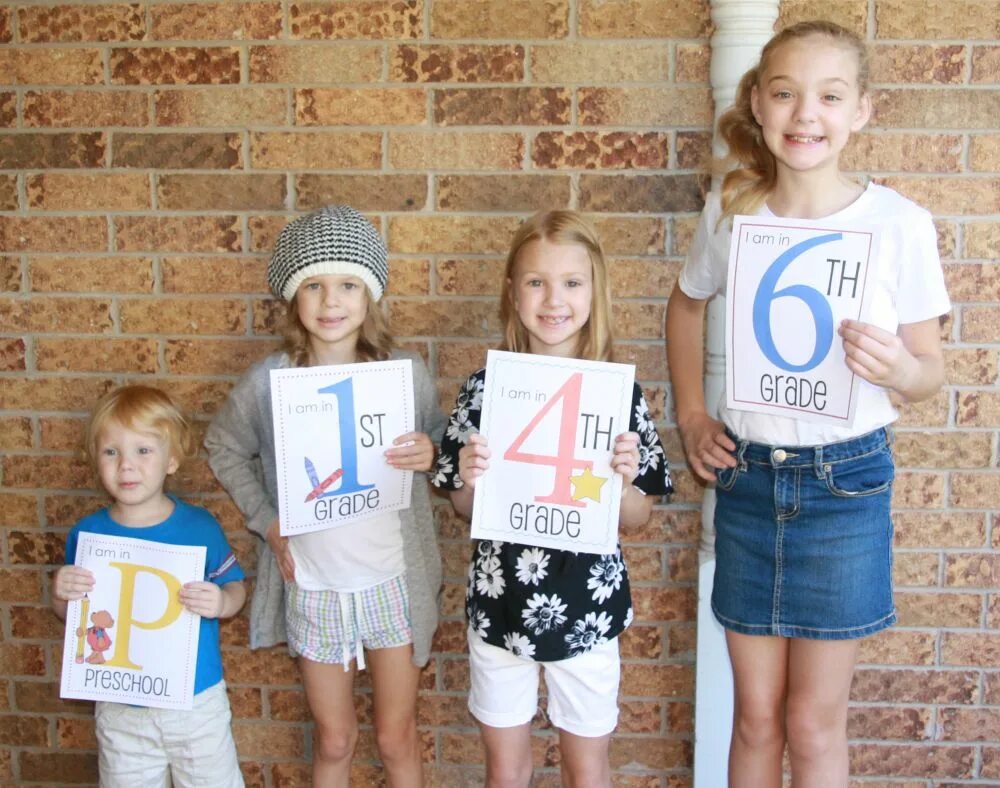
[350, 285]
[145, 450]
[108, 452]
[311, 286]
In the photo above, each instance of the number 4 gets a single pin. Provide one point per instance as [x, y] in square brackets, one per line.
[564, 462]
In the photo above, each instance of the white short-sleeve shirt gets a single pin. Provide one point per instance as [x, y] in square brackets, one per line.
[910, 288]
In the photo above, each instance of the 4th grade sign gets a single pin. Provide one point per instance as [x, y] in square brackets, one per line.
[332, 426]
[790, 284]
[130, 640]
[551, 424]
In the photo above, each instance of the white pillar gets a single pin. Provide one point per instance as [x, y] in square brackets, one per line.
[742, 27]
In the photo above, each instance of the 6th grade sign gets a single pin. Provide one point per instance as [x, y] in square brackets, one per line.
[790, 284]
[130, 640]
[551, 425]
[332, 426]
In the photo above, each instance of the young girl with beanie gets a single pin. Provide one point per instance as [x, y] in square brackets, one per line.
[332, 594]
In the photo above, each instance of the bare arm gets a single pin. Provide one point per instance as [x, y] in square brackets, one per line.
[908, 362]
[705, 441]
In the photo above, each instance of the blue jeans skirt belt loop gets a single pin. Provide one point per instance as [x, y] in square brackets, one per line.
[804, 539]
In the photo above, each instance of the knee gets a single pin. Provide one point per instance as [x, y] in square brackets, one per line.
[396, 741]
[507, 774]
[335, 744]
[813, 731]
[759, 726]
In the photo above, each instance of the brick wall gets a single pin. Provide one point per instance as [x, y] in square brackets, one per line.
[150, 152]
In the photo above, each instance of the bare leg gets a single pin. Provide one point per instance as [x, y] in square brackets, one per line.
[760, 667]
[819, 687]
[508, 755]
[584, 760]
[394, 685]
[330, 692]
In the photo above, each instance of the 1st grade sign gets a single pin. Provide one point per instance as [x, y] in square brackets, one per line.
[790, 284]
[130, 640]
[332, 426]
[551, 425]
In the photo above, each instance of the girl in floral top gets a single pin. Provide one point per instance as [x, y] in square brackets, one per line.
[529, 607]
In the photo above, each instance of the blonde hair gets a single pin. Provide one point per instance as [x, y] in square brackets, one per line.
[141, 409]
[374, 341]
[561, 227]
[745, 188]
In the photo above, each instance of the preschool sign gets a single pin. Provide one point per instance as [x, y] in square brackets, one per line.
[790, 284]
[130, 640]
[551, 424]
[332, 426]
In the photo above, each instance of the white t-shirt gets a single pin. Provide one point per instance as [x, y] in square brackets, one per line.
[910, 288]
[349, 557]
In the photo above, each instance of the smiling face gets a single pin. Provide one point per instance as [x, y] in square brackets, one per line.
[332, 309]
[552, 289]
[808, 101]
[133, 465]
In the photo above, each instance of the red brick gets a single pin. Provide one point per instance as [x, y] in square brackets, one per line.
[59, 108]
[914, 686]
[183, 316]
[177, 234]
[53, 234]
[364, 192]
[215, 357]
[970, 725]
[459, 63]
[91, 274]
[221, 106]
[96, 355]
[175, 66]
[360, 107]
[911, 760]
[918, 63]
[45, 66]
[644, 19]
[43, 314]
[518, 19]
[91, 22]
[53, 393]
[977, 649]
[368, 19]
[72, 191]
[58, 767]
[301, 150]
[596, 150]
[316, 63]
[177, 151]
[67, 150]
[229, 274]
[228, 192]
[218, 21]
[502, 106]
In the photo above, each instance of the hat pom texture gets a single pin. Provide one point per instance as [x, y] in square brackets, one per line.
[333, 240]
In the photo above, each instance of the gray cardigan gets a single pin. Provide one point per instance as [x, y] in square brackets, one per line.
[240, 443]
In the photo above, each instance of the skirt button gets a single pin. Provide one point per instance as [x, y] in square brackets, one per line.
[780, 455]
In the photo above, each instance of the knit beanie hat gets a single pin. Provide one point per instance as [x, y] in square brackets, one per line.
[333, 240]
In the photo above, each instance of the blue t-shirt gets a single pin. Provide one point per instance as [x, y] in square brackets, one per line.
[187, 525]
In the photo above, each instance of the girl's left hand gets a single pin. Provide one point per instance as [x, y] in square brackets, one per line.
[202, 598]
[626, 457]
[416, 455]
[877, 355]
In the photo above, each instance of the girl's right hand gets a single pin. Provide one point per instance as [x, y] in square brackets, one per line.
[282, 553]
[473, 460]
[72, 582]
[707, 446]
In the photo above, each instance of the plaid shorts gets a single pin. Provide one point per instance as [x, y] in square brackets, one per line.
[335, 627]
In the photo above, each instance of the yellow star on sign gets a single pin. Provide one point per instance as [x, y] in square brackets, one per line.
[586, 485]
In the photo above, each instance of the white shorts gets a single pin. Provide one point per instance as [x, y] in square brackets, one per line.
[140, 747]
[583, 690]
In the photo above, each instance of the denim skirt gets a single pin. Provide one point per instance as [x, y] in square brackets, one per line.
[803, 539]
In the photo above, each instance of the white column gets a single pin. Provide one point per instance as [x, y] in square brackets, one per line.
[742, 27]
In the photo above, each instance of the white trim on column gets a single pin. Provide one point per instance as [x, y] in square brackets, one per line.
[742, 27]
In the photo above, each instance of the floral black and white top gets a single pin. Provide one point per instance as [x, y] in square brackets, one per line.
[538, 603]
